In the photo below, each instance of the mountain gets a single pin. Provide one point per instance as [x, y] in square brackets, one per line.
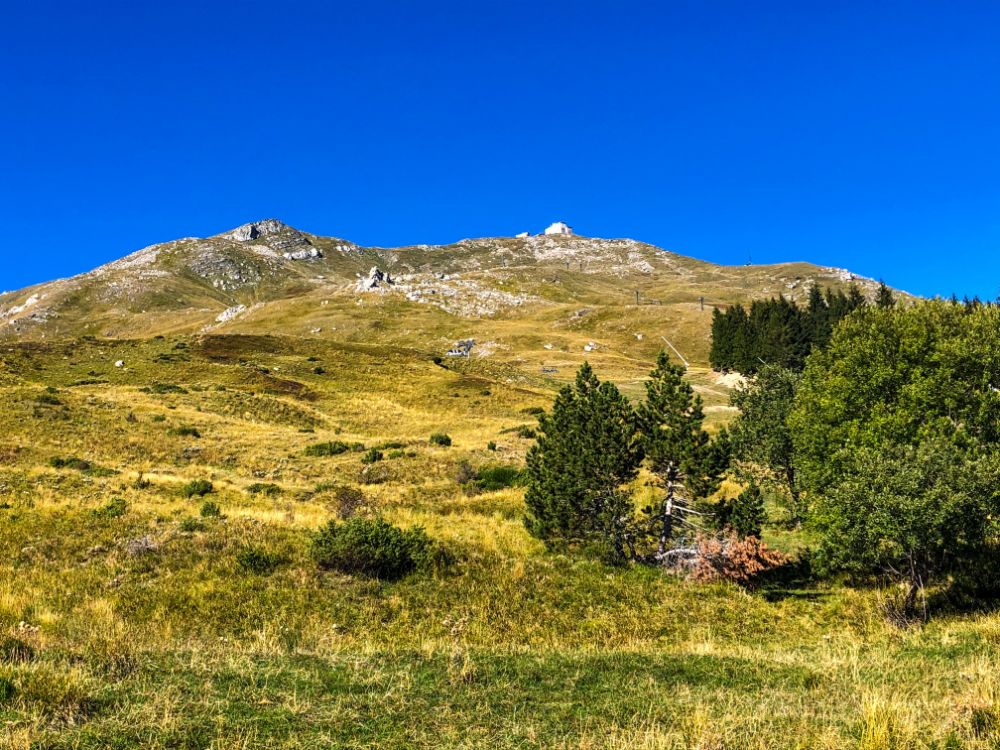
[523, 300]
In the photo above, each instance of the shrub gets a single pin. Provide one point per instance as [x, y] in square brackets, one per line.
[191, 525]
[374, 474]
[269, 490]
[259, 561]
[373, 548]
[163, 388]
[187, 431]
[729, 558]
[329, 448]
[493, 478]
[77, 464]
[491, 446]
[347, 501]
[533, 410]
[159, 418]
[197, 488]
[47, 399]
[744, 514]
[115, 508]
[526, 432]
[210, 509]
[374, 455]
[441, 438]
[319, 371]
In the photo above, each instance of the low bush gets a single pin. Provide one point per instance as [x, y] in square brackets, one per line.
[329, 448]
[266, 489]
[210, 509]
[114, 508]
[198, 488]
[163, 388]
[441, 438]
[374, 455]
[259, 561]
[191, 525]
[374, 548]
[493, 478]
[377, 473]
[186, 431]
[78, 464]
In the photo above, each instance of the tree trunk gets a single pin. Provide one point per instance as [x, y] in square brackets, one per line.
[667, 517]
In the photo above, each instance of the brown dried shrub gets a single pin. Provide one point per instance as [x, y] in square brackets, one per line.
[729, 558]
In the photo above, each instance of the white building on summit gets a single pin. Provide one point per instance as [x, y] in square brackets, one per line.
[559, 228]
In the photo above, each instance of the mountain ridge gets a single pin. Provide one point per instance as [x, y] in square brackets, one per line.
[267, 276]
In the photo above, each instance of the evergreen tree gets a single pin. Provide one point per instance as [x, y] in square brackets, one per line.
[760, 435]
[586, 449]
[885, 297]
[687, 462]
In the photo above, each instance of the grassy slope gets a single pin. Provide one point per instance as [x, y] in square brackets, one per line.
[181, 648]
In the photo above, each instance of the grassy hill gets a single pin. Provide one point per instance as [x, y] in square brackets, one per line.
[133, 615]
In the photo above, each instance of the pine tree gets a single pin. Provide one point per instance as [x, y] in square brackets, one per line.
[885, 297]
[587, 448]
[688, 464]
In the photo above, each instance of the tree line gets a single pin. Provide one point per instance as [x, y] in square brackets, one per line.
[885, 446]
[778, 331]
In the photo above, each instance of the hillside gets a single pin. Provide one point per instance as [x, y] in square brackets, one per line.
[532, 302]
[163, 471]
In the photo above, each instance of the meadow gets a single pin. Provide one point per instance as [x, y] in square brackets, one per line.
[141, 609]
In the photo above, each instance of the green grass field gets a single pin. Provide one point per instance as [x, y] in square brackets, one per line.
[128, 621]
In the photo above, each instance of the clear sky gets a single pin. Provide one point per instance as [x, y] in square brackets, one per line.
[858, 134]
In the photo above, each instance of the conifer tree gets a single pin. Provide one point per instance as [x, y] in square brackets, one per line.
[885, 297]
[587, 448]
[687, 462]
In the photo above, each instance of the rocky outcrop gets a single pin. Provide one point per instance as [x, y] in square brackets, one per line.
[258, 229]
[375, 279]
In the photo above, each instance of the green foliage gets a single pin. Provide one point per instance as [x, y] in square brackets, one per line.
[587, 448]
[493, 478]
[114, 508]
[895, 428]
[688, 464]
[760, 435]
[266, 489]
[329, 448]
[163, 388]
[191, 525]
[197, 488]
[374, 455]
[77, 464]
[372, 548]
[491, 445]
[777, 331]
[210, 509]
[259, 561]
[743, 515]
[441, 438]
[885, 297]
[186, 431]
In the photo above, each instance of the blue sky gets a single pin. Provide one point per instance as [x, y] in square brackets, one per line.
[855, 134]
